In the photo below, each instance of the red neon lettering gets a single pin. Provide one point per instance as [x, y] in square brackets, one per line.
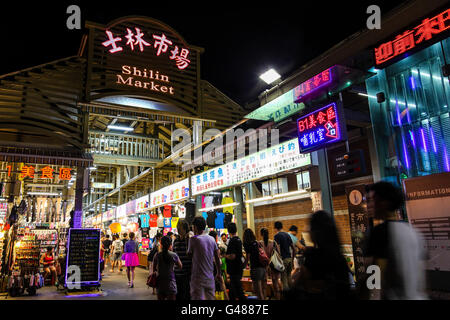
[161, 43]
[9, 170]
[64, 174]
[326, 75]
[410, 38]
[321, 117]
[27, 171]
[330, 113]
[112, 42]
[181, 59]
[317, 80]
[312, 122]
[47, 173]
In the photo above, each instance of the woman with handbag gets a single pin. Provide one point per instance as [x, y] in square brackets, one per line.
[163, 266]
[131, 258]
[271, 248]
[258, 262]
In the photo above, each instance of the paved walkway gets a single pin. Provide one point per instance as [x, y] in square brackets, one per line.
[114, 286]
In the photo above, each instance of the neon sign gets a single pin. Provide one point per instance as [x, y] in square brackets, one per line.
[135, 40]
[320, 127]
[46, 172]
[429, 28]
[318, 81]
[135, 76]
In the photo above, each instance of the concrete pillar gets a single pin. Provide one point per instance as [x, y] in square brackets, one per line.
[320, 159]
[250, 194]
[78, 215]
[237, 196]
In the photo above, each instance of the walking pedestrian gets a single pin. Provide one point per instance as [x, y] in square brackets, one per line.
[324, 275]
[235, 264]
[124, 240]
[293, 231]
[394, 246]
[183, 275]
[257, 269]
[131, 258]
[204, 252]
[117, 251]
[269, 247]
[287, 251]
[107, 249]
[155, 249]
[163, 265]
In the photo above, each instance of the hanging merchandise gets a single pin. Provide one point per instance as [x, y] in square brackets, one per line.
[160, 221]
[219, 222]
[167, 223]
[174, 222]
[167, 213]
[227, 200]
[153, 221]
[211, 219]
[190, 212]
[144, 220]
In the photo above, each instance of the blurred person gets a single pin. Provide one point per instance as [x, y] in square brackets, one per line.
[269, 247]
[213, 234]
[235, 264]
[205, 254]
[293, 231]
[156, 247]
[257, 270]
[324, 275]
[394, 245]
[163, 265]
[183, 275]
[287, 251]
[107, 249]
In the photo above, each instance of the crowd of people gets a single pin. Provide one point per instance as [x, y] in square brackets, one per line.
[197, 265]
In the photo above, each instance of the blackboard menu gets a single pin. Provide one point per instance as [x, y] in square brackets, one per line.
[84, 252]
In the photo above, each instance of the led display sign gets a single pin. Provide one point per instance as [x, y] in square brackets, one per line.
[321, 127]
[427, 31]
[318, 81]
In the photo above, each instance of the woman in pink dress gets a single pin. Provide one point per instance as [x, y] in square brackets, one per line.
[131, 258]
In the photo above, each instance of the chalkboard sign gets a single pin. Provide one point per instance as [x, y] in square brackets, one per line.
[84, 252]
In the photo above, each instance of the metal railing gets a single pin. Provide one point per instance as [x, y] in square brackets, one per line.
[122, 145]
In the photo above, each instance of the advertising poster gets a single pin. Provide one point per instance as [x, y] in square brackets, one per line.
[428, 209]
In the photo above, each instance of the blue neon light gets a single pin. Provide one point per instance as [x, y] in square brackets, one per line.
[423, 140]
[413, 84]
[447, 165]
[432, 140]
[411, 134]
[318, 128]
[405, 152]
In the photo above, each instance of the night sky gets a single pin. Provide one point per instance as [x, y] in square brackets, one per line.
[242, 39]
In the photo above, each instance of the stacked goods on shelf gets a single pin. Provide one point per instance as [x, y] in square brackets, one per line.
[25, 274]
[46, 238]
[62, 240]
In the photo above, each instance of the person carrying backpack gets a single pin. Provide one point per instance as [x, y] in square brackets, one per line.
[258, 262]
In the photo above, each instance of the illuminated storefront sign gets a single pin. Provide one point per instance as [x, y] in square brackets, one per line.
[318, 81]
[282, 157]
[142, 203]
[277, 109]
[121, 211]
[45, 173]
[172, 193]
[320, 127]
[135, 40]
[103, 185]
[136, 77]
[428, 30]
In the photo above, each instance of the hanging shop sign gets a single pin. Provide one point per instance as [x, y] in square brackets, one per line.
[277, 109]
[321, 127]
[142, 204]
[103, 185]
[121, 211]
[45, 173]
[320, 80]
[350, 164]
[428, 32]
[359, 224]
[270, 161]
[175, 192]
[130, 207]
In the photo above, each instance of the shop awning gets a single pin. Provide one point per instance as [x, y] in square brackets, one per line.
[52, 157]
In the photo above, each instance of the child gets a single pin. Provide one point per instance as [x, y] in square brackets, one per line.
[221, 290]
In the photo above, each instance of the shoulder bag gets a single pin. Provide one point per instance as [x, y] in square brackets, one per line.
[276, 262]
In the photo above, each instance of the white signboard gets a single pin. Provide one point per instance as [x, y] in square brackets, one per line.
[142, 203]
[169, 194]
[282, 157]
[121, 211]
[103, 185]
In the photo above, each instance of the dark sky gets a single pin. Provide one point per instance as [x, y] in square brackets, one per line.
[242, 39]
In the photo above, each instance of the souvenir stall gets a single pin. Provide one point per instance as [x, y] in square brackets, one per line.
[167, 206]
[141, 210]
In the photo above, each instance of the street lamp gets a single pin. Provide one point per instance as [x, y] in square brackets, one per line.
[270, 76]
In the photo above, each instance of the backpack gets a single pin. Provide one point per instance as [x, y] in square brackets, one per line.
[262, 256]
